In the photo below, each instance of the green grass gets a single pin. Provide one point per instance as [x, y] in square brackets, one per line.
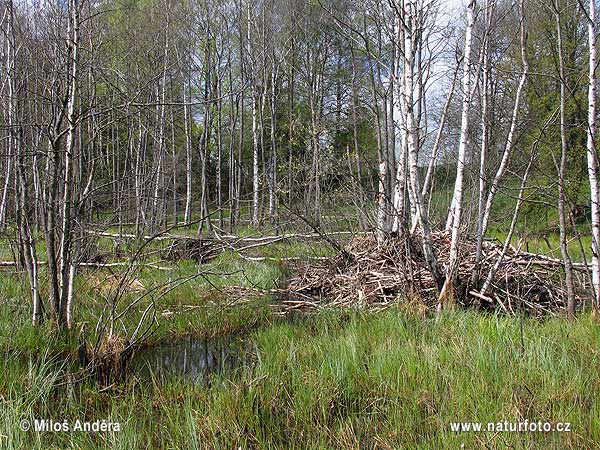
[539, 244]
[344, 380]
[537, 225]
[336, 379]
[199, 305]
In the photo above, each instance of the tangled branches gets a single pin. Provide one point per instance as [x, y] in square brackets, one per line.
[377, 275]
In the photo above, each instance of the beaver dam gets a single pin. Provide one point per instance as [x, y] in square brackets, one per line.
[371, 274]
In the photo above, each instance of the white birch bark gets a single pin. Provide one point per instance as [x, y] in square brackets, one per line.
[456, 206]
[8, 84]
[255, 173]
[188, 161]
[157, 200]
[66, 267]
[421, 214]
[8, 108]
[592, 160]
[381, 200]
[399, 119]
[485, 133]
[7, 177]
[273, 159]
[454, 217]
[140, 216]
[255, 154]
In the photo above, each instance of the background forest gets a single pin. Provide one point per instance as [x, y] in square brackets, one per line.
[274, 178]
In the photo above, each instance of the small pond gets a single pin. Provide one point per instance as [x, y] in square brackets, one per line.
[192, 358]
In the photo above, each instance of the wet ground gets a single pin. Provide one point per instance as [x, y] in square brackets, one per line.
[192, 358]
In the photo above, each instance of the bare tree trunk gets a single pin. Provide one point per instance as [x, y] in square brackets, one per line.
[485, 134]
[174, 164]
[291, 123]
[140, 217]
[50, 226]
[494, 269]
[9, 57]
[438, 137]
[510, 140]
[400, 185]
[188, 158]
[158, 198]
[255, 151]
[27, 242]
[233, 117]
[273, 159]
[67, 266]
[453, 223]
[362, 220]
[592, 160]
[26, 239]
[380, 227]
[562, 170]
[219, 135]
[255, 168]
[422, 216]
[204, 142]
[7, 177]
[203, 147]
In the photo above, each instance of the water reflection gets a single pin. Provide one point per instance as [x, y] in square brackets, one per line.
[193, 359]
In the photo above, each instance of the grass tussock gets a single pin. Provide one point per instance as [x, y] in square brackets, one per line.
[346, 380]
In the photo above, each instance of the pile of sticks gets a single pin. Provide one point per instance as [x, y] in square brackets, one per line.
[375, 275]
[200, 250]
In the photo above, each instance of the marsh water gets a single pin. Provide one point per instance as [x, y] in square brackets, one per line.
[193, 359]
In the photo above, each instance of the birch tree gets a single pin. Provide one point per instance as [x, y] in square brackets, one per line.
[453, 223]
[592, 160]
[412, 141]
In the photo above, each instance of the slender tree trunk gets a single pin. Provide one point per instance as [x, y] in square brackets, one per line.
[26, 240]
[494, 269]
[188, 157]
[238, 190]
[158, 197]
[219, 136]
[400, 186]
[381, 229]
[454, 216]
[485, 134]
[562, 170]
[140, 215]
[233, 117]
[362, 220]
[510, 140]
[9, 52]
[592, 160]
[67, 266]
[273, 159]
[438, 137]
[291, 119]
[422, 216]
[255, 137]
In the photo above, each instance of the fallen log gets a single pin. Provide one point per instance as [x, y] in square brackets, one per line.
[97, 265]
